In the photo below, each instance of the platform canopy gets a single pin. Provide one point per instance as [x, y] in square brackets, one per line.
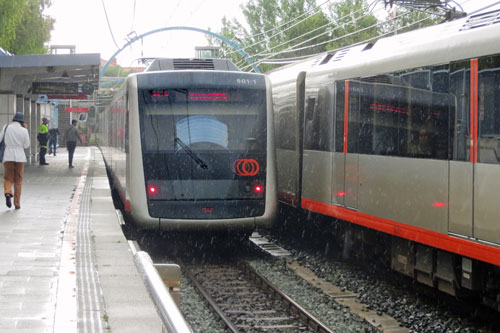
[49, 73]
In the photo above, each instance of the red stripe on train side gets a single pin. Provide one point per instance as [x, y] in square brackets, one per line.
[460, 246]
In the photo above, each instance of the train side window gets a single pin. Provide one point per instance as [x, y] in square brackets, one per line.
[459, 84]
[489, 110]
[339, 116]
[318, 124]
[311, 125]
[429, 105]
[285, 128]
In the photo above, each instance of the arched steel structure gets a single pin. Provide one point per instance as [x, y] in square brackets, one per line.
[133, 40]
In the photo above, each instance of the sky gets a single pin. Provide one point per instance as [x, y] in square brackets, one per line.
[84, 24]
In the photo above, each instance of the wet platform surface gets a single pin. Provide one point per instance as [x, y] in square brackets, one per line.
[65, 265]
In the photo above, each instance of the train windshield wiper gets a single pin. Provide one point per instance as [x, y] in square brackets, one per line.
[188, 150]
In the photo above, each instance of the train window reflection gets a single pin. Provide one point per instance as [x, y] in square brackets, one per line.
[489, 110]
[400, 115]
[198, 129]
[209, 124]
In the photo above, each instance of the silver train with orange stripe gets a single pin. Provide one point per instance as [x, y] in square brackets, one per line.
[189, 144]
[401, 139]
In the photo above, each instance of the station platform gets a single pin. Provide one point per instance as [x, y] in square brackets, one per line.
[65, 265]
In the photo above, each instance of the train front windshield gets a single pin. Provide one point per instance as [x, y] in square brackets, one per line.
[204, 146]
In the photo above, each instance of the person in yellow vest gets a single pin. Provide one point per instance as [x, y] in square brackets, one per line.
[43, 138]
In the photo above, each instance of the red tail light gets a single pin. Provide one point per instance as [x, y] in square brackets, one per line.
[152, 189]
[258, 188]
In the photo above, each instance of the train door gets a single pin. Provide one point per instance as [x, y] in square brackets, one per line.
[317, 156]
[485, 105]
[339, 157]
[475, 169]
[351, 124]
[461, 166]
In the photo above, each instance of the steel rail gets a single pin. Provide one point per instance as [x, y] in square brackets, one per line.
[294, 307]
[210, 300]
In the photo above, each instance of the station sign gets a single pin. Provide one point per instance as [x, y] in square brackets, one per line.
[67, 96]
[86, 110]
[47, 88]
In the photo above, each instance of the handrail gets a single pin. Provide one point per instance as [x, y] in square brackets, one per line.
[170, 315]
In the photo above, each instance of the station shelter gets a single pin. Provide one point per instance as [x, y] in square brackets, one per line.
[35, 85]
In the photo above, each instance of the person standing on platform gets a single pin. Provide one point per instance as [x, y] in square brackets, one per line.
[16, 140]
[53, 133]
[43, 138]
[72, 135]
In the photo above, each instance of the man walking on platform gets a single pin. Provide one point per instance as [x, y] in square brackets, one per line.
[43, 138]
[72, 135]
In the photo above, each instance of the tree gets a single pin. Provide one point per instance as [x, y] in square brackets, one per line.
[11, 15]
[27, 28]
[353, 23]
[293, 29]
[117, 71]
[270, 31]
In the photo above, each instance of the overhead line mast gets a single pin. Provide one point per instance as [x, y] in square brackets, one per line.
[444, 8]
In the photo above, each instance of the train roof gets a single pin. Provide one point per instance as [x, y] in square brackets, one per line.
[469, 37]
[170, 64]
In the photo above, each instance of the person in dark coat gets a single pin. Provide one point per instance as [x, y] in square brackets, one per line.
[72, 136]
[53, 133]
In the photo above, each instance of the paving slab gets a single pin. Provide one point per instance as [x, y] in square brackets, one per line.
[65, 265]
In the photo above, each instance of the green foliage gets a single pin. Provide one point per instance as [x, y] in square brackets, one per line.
[25, 29]
[11, 15]
[343, 23]
[117, 71]
[353, 23]
[264, 17]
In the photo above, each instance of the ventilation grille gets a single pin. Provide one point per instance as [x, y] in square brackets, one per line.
[481, 20]
[193, 64]
[340, 55]
[377, 79]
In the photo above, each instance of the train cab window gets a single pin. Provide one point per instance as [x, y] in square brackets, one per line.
[489, 110]
[204, 120]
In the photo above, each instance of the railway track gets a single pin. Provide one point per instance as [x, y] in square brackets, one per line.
[246, 301]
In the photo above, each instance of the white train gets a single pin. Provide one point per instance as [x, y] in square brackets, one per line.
[401, 139]
[190, 146]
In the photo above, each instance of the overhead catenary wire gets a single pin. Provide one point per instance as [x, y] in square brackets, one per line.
[292, 20]
[133, 17]
[321, 34]
[109, 25]
[331, 40]
[288, 28]
[485, 7]
[372, 5]
[293, 48]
